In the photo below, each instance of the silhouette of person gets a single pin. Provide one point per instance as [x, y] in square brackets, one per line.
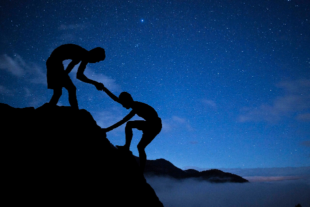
[150, 127]
[57, 77]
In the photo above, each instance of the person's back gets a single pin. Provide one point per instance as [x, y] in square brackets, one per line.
[145, 111]
[69, 51]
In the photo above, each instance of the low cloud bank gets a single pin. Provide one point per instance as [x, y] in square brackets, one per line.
[273, 174]
[191, 192]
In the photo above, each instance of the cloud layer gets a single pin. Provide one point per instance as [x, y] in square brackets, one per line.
[176, 122]
[294, 102]
[19, 68]
[200, 194]
[14, 65]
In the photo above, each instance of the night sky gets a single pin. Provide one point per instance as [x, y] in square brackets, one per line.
[230, 79]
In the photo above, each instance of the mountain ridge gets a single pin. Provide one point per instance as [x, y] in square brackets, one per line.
[162, 167]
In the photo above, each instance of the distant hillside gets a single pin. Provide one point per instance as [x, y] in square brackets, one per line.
[162, 167]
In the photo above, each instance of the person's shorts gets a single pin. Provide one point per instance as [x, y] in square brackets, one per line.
[56, 75]
[151, 128]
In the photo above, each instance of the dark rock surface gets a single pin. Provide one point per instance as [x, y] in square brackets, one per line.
[59, 156]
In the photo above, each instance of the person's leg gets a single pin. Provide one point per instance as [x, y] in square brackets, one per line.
[128, 132]
[56, 95]
[145, 140]
[71, 92]
[150, 131]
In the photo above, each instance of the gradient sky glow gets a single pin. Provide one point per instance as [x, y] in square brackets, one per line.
[230, 79]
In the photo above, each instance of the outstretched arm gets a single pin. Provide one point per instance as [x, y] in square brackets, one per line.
[80, 75]
[112, 96]
[125, 119]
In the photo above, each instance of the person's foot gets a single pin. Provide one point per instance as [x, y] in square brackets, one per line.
[122, 147]
[74, 106]
[48, 106]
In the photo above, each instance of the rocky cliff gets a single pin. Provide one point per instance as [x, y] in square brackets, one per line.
[59, 156]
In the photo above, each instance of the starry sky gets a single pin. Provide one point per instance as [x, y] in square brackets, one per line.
[230, 79]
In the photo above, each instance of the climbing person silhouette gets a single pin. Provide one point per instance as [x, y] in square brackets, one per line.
[57, 77]
[150, 127]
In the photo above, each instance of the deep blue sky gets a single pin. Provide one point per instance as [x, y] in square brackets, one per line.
[230, 79]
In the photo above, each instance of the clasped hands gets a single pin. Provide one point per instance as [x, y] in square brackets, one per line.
[99, 86]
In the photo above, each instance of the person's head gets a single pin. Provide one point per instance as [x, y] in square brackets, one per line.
[125, 99]
[95, 55]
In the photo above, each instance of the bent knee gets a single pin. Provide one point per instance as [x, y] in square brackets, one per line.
[72, 88]
[129, 125]
[58, 92]
[140, 148]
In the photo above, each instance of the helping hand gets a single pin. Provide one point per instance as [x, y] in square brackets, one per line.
[104, 132]
[99, 86]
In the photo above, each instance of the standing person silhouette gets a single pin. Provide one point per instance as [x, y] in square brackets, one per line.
[150, 127]
[57, 77]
